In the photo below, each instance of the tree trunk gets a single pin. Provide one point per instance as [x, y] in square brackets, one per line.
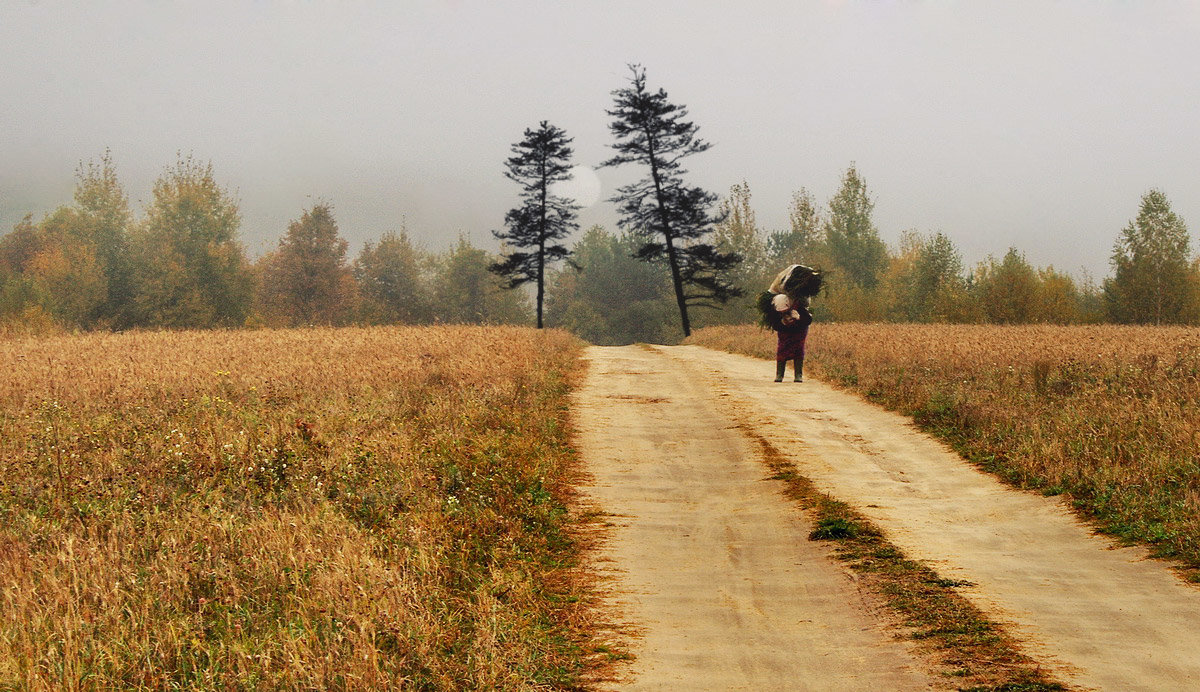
[672, 260]
[541, 260]
[540, 287]
[678, 281]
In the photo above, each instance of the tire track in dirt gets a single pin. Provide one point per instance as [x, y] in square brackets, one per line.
[706, 559]
[1105, 617]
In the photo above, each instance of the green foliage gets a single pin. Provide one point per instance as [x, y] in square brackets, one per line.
[1007, 290]
[834, 528]
[19, 246]
[937, 270]
[17, 293]
[804, 242]
[306, 280]
[1153, 281]
[898, 284]
[73, 266]
[67, 275]
[924, 281]
[612, 298]
[1059, 299]
[190, 270]
[392, 285]
[467, 292]
[51, 270]
[854, 243]
[738, 234]
[849, 302]
[104, 212]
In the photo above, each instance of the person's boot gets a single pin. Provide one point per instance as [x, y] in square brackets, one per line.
[779, 368]
[799, 370]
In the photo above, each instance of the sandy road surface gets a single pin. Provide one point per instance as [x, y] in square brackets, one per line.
[709, 562]
[1103, 617]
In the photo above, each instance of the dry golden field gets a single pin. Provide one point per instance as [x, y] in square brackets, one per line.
[1109, 415]
[299, 509]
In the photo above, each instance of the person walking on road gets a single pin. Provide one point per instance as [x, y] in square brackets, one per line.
[784, 308]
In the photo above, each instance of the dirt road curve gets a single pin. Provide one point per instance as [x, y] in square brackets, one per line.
[714, 566]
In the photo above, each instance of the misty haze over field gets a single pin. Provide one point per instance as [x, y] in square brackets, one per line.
[1029, 124]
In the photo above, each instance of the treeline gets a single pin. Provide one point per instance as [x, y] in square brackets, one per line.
[92, 265]
[615, 299]
[1155, 277]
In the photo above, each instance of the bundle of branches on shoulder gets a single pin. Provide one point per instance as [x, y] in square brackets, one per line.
[799, 283]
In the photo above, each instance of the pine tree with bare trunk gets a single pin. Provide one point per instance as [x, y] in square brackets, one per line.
[672, 218]
[540, 160]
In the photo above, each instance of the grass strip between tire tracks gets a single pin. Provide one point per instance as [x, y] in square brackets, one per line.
[956, 636]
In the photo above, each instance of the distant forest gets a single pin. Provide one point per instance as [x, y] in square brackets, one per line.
[93, 265]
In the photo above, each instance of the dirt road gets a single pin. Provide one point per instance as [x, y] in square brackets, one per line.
[711, 564]
[715, 568]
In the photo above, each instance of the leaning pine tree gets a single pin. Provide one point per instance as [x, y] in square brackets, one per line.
[671, 217]
[538, 161]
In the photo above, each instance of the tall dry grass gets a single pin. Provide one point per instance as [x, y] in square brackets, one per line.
[301, 509]
[1108, 414]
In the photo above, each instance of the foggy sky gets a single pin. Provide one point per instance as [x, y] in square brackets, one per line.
[1034, 124]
